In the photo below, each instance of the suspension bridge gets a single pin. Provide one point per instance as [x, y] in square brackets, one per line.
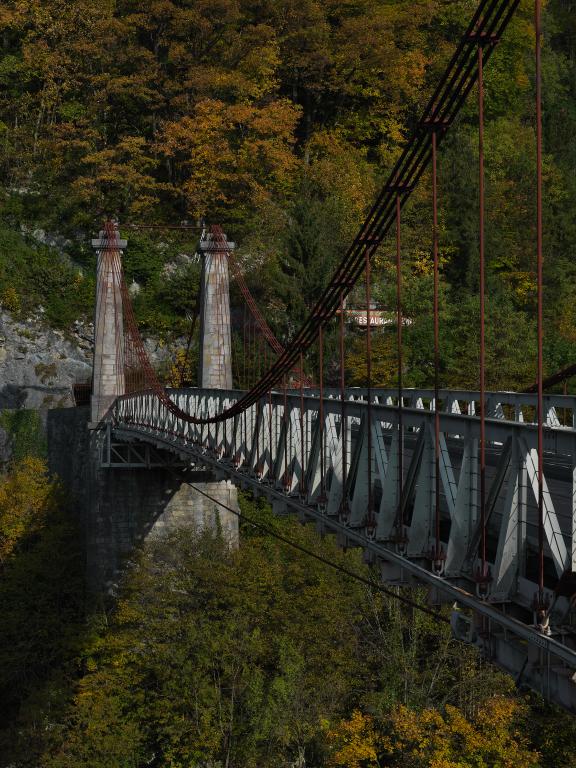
[471, 494]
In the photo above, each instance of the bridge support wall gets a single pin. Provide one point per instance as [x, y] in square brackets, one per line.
[121, 506]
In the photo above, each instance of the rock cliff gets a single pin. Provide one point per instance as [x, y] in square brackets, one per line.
[39, 365]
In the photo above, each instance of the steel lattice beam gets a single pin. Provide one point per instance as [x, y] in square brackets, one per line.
[254, 449]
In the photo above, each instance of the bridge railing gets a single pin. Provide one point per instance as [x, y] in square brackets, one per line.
[282, 444]
[314, 456]
[559, 410]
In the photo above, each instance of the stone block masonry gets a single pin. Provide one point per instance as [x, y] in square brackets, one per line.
[215, 335]
[108, 381]
[119, 509]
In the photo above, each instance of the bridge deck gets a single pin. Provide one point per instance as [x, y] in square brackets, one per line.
[281, 451]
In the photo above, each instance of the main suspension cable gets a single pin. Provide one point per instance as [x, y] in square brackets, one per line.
[540, 291]
[437, 553]
[483, 576]
[400, 522]
[490, 20]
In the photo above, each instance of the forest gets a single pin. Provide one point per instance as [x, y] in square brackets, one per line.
[279, 120]
[259, 657]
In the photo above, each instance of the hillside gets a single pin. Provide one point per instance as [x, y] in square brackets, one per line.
[280, 120]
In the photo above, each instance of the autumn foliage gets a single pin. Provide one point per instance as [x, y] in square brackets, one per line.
[279, 119]
[26, 500]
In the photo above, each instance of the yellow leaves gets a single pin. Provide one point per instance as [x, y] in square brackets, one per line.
[123, 172]
[27, 495]
[384, 363]
[430, 739]
[260, 67]
[181, 373]
[227, 153]
[10, 299]
[338, 169]
[423, 265]
[353, 743]
[8, 18]
[524, 286]
[256, 56]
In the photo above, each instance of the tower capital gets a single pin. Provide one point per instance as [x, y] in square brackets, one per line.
[211, 243]
[108, 239]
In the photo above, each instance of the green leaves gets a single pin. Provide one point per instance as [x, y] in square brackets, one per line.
[39, 276]
[245, 657]
[281, 119]
[41, 601]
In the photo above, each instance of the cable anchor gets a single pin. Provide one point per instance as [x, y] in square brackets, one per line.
[483, 579]
[371, 525]
[287, 482]
[541, 609]
[438, 561]
[401, 540]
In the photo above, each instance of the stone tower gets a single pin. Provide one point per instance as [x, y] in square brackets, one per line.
[123, 504]
[108, 373]
[215, 365]
[215, 336]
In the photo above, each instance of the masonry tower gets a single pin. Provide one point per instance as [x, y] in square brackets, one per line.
[108, 381]
[215, 335]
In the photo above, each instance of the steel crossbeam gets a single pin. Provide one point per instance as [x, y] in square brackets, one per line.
[279, 454]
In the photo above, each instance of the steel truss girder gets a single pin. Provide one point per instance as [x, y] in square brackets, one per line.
[255, 448]
[116, 454]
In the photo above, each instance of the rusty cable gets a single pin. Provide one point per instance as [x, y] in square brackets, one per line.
[491, 19]
[484, 573]
[400, 522]
[437, 553]
[540, 271]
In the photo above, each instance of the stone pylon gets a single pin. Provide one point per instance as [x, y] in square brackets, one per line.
[108, 380]
[215, 370]
[215, 336]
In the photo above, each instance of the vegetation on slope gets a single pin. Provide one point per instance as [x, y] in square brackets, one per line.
[280, 120]
[255, 657]
[42, 609]
[262, 657]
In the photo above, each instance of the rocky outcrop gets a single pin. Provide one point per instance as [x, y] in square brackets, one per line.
[39, 365]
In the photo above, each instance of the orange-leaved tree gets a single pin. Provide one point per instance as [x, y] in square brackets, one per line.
[434, 739]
